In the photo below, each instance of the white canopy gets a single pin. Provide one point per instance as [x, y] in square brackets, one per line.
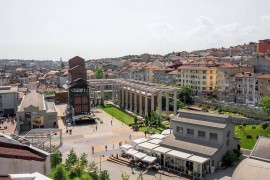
[147, 145]
[179, 154]
[140, 140]
[131, 152]
[162, 150]
[139, 155]
[197, 159]
[149, 159]
[155, 141]
[126, 147]
[167, 132]
[157, 136]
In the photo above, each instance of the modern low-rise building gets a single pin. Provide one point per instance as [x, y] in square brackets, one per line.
[204, 135]
[35, 112]
[8, 100]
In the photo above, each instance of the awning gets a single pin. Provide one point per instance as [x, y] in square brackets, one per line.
[162, 150]
[157, 136]
[167, 132]
[126, 147]
[139, 155]
[179, 154]
[140, 140]
[155, 141]
[149, 159]
[131, 152]
[147, 145]
[197, 159]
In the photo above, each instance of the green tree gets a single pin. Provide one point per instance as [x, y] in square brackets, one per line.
[265, 125]
[265, 104]
[229, 158]
[135, 120]
[140, 177]
[76, 170]
[71, 159]
[59, 173]
[125, 176]
[185, 95]
[99, 73]
[55, 158]
[104, 175]
[83, 160]
[93, 170]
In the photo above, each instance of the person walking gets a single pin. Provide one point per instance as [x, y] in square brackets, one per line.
[93, 150]
[130, 137]
[113, 146]
[106, 147]
[111, 122]
[144, 133]
[96, 127]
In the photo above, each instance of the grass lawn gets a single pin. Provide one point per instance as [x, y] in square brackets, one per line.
[242, 134]
[118, 114]
[232, 114]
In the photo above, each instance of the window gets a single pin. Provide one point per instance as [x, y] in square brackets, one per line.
[228, 133]
[201, 134]
[213, 136]
[179, 129]
[211, 77]
[204, 77]
[190, 132]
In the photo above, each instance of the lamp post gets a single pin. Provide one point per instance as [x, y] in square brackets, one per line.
[100, 163]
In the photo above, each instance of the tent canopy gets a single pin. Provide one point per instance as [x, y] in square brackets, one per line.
[140, 140]
[126, 147]
[139, 155]
[149, 159]
[179, 154]
[155, 141]
[147, 145]
[197, 159]
[131, 152]
[157, 136]
[162, 150]
[167, 132]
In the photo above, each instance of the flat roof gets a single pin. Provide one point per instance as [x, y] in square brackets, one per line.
[33, 99]
[155, 141]
[197, 159]
[157, 136]
[179, 154]
[148, 145]
[261, 149]
[162, 149]
[140, 140]
[200, 122]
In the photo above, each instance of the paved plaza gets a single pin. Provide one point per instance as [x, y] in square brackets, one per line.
[83, 137]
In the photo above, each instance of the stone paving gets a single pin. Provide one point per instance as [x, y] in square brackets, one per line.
[10, 128]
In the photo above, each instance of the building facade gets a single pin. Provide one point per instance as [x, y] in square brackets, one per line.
[8, 100]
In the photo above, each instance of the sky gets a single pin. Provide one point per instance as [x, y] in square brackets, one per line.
[54, 29]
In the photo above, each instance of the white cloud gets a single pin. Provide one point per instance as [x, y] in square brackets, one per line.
[266, 20]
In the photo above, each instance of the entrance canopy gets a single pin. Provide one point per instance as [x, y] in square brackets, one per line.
[155, 141]
[149, 159]
[197, 159]
[140, 140]
[139, 155]
[157, 136]
[147, 145]
[131, 152]
[167, 132]
[126, 147]
[179, 154]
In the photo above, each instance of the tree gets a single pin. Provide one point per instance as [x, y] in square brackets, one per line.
[55, 158]
[99, 73]
[104, 175]
[125, 176]
[83, 160]
[76, 170]
[71, 159]
[59, 173]
[265, 104]
[185, 95]
[93, 170]
[265, 125]
[135, 120]
[229, 158]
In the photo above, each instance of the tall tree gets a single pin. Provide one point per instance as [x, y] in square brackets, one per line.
[265, 104]
[185, 95]
[99, 73]
[59, 173]
[71, 159]
[55, 158]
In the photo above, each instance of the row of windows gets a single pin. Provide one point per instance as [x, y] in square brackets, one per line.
[201, 134]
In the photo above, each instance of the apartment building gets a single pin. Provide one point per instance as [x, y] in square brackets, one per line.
[262, 86]
[264, 46]
[202, 79]
[160, 75]
[224, 72]
[8, 100]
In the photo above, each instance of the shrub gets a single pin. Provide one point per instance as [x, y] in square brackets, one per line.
[249, 136]
[253, 127]
[240, 127]
[205, 109]
[265, 125]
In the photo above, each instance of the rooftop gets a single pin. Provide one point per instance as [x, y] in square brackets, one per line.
[261, 149]
[190, 145]
[33, 99]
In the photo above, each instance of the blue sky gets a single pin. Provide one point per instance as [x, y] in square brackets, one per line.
[50, 29]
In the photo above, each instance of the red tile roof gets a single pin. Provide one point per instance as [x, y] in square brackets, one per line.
[14, 151]
[264, 76]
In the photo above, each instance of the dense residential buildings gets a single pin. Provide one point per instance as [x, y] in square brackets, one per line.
[264, 46]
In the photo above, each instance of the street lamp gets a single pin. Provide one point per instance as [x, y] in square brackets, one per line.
[100, 163]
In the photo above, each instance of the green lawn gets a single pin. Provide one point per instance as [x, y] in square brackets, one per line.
[242, 134]
[232, 114]
[118, 114]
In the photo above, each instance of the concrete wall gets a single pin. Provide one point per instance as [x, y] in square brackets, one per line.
[10, 101]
